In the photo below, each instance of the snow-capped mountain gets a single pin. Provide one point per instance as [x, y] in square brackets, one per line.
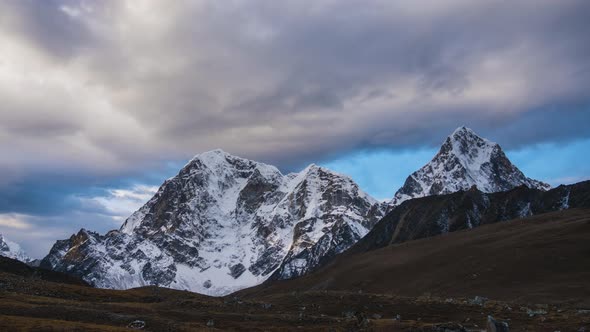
[222, 224]
[12, 250]
[465, 160]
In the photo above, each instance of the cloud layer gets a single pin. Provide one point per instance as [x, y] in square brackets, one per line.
[101, 86]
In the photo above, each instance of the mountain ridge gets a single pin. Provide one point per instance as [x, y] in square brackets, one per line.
[224, 223]
[13, 250]
[440, 214]
[465, 159]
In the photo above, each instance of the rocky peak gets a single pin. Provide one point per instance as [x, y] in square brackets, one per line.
[464, 160]
[212, 182]
[467, 145]
[465, 134]
[225, 223]
[221, 163]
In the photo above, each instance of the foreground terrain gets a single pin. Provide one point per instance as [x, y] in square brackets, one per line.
[532, 273]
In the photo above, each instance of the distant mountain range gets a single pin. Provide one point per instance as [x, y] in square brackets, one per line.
[225, 223]
[13, 250]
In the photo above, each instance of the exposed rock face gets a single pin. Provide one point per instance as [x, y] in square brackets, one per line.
[12, 250]
[222, 224]
[463, 161]
[435, 215]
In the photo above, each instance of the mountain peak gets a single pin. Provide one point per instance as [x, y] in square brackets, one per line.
[313, 168]
[225, 223]
[464, 160]
[463, 131]
[214, 152]
[12, 250]
[216, 156]
[468, 136]
[470, 150]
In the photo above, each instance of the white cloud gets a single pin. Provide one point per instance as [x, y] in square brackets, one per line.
[121, 203]
[14, 221]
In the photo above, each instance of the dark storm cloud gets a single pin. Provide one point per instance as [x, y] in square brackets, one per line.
[561, 123]
[50, 195]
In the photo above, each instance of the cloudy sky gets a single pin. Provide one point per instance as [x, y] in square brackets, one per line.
[100, 101]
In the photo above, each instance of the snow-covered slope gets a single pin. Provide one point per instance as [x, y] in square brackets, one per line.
[465, 160]
[222, 224]
[12, 250]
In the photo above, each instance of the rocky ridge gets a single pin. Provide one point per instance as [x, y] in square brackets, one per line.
[222, 224]
[465, 160]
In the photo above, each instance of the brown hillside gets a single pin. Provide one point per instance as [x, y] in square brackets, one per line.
[541, 259]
